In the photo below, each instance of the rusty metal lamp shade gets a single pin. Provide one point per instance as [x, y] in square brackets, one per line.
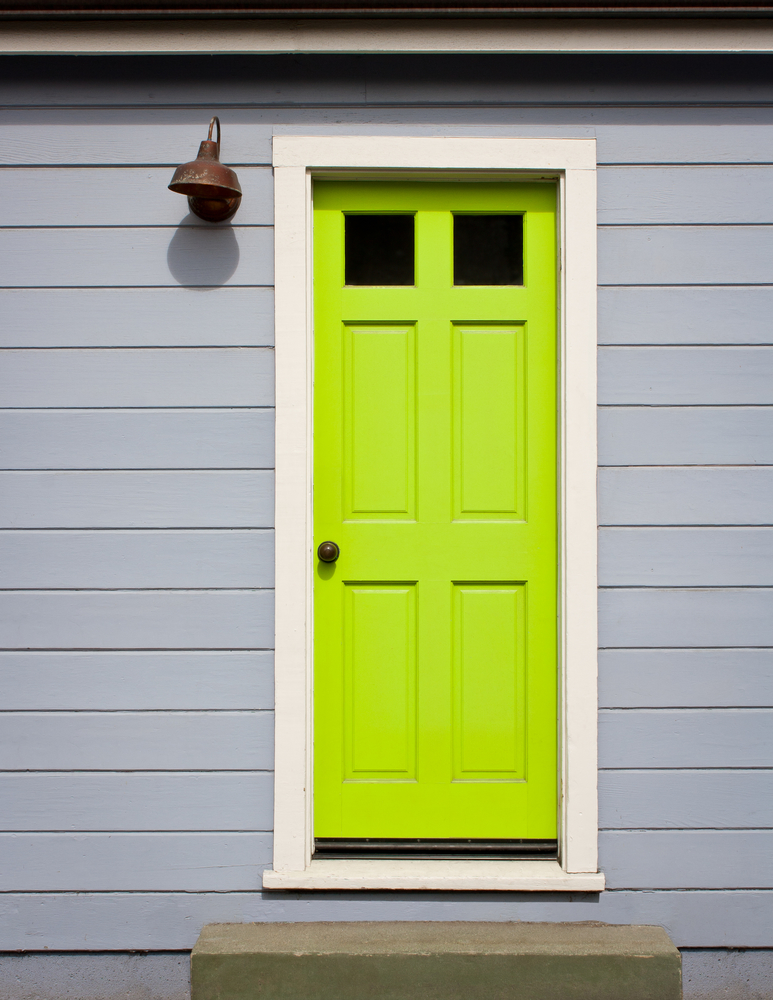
[213, 190]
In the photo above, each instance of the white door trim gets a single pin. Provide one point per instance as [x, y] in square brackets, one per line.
[573, 161]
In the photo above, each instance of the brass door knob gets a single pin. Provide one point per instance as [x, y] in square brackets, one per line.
[328, 552]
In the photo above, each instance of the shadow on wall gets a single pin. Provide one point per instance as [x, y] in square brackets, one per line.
[202, 256]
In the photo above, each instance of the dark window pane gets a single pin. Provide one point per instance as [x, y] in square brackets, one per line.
[379, 250]
[488, 249]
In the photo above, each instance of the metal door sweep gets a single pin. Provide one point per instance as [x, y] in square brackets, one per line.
[494, 850]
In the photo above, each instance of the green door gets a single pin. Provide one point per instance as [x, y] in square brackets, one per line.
[435, 652]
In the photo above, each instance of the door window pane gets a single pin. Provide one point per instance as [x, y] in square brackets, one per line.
[488, 249]
[379, 250]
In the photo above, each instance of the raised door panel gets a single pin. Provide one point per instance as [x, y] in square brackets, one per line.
[489, 691]
[489, 422]
[380, 681]
[379, 421]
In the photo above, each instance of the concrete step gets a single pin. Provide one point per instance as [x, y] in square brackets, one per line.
[407, 960]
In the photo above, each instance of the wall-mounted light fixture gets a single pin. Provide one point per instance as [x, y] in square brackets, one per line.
[213, 190]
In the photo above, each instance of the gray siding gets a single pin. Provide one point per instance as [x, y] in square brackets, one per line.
[137, 551]
[58, 258]
[136, 317]
[137, 801]
[136, 740]
[144, 920]
[699, 314]
[70, 680]
[55, 196]
[674, 495]
[677, 678]
[137, 499]
[136, 490]
[160, 377]
[236, 438]
[116, 560]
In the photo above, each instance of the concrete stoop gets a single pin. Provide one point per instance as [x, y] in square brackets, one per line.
[409, 960]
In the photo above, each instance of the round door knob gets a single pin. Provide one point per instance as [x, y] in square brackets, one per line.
[328, 552]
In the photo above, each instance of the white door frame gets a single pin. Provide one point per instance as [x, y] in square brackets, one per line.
[297, 159]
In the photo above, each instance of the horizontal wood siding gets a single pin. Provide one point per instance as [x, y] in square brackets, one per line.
[684, 557]
[681, 800]
[64, 196]
[689, 737]
[138, 619]
[684, 194]
[137, 499]
[86, 680]
[236, 438]
[234, 376]
[678, 678]
[137, 139]
[694, 314]
[104, 257]
[90, 135]
[137, 317]
[685, 255]
[686, 617]
[136, 741]
[88, 920]
[682, 376]
[136, 487]
[686, 435]
[674, 495]
[120, 560]
[138, 801]
[136, 550]
[125, 862]
[686, 859]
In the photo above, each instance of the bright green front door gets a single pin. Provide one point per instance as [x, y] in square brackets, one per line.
[435, 655]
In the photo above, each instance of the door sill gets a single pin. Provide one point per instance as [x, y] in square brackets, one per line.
[462, 875]
[424, 849]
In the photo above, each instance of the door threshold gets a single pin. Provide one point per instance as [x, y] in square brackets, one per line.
[431, 874]
[448, 849]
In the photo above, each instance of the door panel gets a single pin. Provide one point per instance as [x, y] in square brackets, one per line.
[380, 681]
[489, 674]
[489, 392]
[379, 421]
[435, 654]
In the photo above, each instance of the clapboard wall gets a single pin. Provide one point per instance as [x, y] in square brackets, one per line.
[136, 439]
